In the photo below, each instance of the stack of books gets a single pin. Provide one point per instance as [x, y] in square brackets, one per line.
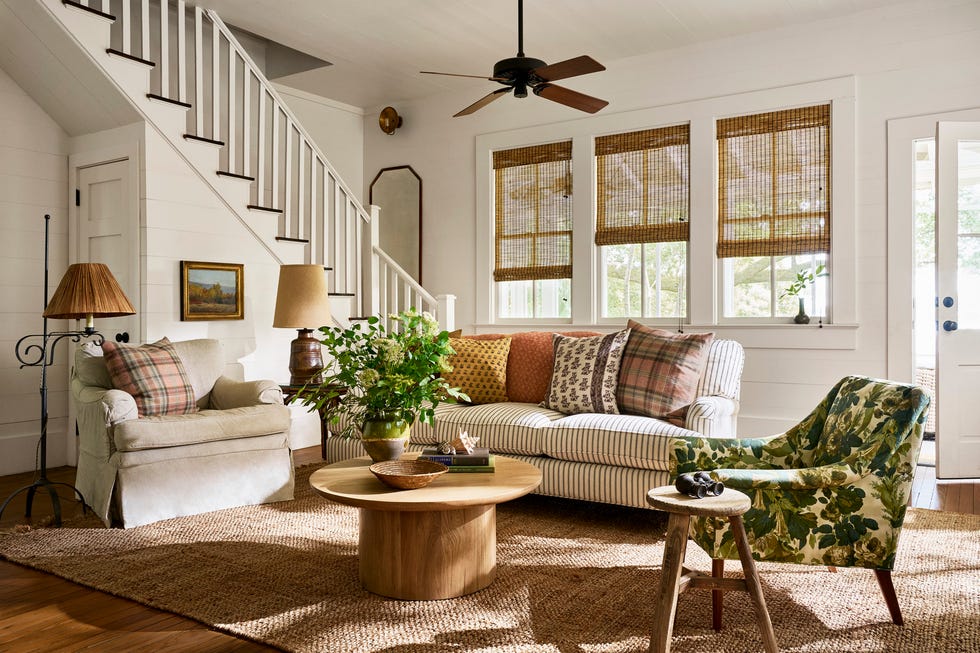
[481, 460]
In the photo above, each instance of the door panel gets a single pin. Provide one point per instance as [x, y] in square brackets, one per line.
[958, 308]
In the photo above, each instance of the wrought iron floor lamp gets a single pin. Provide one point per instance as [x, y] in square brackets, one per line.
[88, 290]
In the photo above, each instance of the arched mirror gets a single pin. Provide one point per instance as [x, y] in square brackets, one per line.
[398, 191]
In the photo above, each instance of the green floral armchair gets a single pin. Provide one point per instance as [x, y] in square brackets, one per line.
[830, 491]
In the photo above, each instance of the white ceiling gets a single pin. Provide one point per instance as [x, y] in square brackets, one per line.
[378, 47]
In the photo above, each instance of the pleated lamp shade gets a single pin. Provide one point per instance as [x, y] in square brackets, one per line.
[303, 303]
[88, 290]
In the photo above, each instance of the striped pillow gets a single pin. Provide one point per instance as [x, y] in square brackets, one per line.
[586, 369]
[153, 374]
[660, 371]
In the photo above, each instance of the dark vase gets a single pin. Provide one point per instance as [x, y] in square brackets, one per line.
[801, 317]
[384, 437]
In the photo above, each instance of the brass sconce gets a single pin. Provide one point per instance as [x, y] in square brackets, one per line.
[389, 120]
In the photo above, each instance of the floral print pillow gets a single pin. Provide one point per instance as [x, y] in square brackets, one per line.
[586, 373]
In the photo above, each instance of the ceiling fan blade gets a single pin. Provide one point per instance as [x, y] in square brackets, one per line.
[569, 68]
[482, 102]
[569, 98]
[429, 72]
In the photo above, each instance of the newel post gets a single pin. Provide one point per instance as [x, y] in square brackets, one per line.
[446, 311]
[371, 302]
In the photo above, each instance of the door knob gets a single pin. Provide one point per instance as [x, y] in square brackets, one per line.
[949, 325]
[948, 302]
[122, 337]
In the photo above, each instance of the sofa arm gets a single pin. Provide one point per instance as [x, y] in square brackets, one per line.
[712, 416]
[228, 393]
[98, 410]
[809, 478]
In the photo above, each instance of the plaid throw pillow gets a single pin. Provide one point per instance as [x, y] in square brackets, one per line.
[153, 374]
[586, 369]
[479, 369]
[659, 373]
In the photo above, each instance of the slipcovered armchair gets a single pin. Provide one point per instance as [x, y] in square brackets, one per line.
[229, 447]
[830, 491]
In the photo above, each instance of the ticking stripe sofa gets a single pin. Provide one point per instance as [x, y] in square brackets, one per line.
[593, 457]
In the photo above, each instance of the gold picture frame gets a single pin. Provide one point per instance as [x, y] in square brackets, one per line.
[212, 291]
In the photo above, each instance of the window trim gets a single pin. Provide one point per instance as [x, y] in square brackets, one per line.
[704, 307]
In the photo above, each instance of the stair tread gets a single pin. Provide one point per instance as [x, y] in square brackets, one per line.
[256, 207]
[235, 175]
[169, 100]
[94, 12]
[131, 57]
[203, 139]
[287, 239]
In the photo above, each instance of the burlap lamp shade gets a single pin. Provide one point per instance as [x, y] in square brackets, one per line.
[303, 303]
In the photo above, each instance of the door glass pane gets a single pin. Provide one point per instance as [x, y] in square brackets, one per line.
[925, 253]
[968, 230]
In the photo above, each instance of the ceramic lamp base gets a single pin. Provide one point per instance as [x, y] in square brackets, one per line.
[305, 359]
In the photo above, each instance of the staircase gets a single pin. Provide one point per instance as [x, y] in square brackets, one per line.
[193, 82]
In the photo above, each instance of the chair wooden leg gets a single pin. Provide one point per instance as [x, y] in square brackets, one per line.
[884, 577]
[717, 571]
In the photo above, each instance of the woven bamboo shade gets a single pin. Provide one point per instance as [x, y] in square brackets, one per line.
[533, 235]
[774, 183]
[643, 189]
[88, 290]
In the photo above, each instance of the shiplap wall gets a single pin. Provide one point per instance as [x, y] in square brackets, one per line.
[33, 179]
[915, 58]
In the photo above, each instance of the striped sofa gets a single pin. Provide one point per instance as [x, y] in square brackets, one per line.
[593, 457]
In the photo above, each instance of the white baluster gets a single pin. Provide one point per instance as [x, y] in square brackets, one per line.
[127, 28]
[215, 82]
[165, 48]
[232, 110]
[246, 120]
[144, 29]
[260, 155]
[300, 189]
[199, 69]
[288, 181]
[182, 50]
[276, 201]
[316, 231]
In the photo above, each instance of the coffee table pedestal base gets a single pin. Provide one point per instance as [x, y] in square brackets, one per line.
[425, 555]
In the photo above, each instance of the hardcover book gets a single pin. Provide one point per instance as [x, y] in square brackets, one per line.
[457, 469]
[479, 457]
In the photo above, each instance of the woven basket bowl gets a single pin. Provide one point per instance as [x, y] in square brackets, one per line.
[407, 474]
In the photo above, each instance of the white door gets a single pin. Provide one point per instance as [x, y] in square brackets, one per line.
[107, 233]
[958, 291]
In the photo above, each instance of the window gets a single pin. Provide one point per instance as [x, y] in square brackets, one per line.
[533, 230]
[643, 221]
[773, 209]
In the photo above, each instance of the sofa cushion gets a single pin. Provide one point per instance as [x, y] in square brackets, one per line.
[660, 370]
[530, 362]
[479, 369]
[722, 376]
[153, 374]
[622, 440]
[202, 426]
[503, 428]
[586, 372]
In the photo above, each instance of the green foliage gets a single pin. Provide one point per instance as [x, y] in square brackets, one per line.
[803, 279]
[379, 372]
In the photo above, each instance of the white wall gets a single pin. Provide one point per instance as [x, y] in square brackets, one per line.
[915, 58]
[33, 181]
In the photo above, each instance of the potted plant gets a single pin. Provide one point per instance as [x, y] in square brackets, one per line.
[804, 278]
[383, 380]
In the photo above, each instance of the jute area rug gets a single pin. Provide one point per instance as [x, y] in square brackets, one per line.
[572, 577]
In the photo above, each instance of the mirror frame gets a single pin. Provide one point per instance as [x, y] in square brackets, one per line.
[371, 201]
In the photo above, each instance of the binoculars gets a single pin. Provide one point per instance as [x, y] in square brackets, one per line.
[698, 485]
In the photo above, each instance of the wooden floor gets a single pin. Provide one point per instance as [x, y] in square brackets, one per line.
[43, 613]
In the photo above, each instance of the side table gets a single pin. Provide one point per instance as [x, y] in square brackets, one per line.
[675, 579]
[288, 392]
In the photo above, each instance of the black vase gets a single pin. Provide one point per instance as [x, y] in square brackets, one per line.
[801, 317]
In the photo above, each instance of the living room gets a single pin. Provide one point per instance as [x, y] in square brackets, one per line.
[891, 69]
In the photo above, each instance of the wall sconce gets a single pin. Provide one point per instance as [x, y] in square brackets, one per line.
[389, 120]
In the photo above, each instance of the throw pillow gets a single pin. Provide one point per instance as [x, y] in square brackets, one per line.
[153, 374]
[660, 370]
[530, 363]
[479, 369]
[585, 374]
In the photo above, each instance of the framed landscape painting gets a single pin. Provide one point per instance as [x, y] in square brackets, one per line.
[212, 291]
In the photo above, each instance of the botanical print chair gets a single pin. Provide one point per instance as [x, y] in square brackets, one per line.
[830, 491]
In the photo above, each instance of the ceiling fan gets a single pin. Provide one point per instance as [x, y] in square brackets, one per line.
[521, 73]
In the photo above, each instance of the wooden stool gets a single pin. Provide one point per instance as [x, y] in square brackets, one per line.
[732, 504]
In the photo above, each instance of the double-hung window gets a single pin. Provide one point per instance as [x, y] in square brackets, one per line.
[643, 221]
[774, 204]
[533, 231]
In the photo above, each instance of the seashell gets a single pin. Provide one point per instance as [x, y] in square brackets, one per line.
[464, 442]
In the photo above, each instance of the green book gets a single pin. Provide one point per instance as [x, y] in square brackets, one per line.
[465, 469]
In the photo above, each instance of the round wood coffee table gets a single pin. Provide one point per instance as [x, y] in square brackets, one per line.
[435, 542]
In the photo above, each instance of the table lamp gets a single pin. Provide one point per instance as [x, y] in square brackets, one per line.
[87, 291]
[303, 303]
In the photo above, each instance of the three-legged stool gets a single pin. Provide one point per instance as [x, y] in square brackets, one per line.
[731, 504]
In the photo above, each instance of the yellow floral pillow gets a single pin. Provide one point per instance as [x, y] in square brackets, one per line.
[479, 369]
